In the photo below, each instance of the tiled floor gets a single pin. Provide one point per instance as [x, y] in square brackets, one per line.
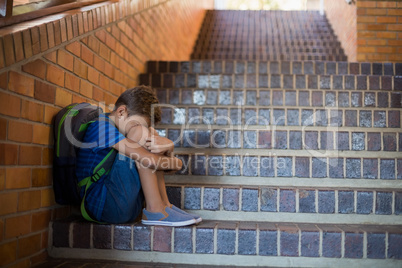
[70, 263]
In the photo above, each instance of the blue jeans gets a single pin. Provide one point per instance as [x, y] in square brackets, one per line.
[124, 198]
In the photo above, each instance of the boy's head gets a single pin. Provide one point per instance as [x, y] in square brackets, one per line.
[139, 101]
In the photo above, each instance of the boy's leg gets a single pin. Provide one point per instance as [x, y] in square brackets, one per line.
[150, 187]
[162, 188]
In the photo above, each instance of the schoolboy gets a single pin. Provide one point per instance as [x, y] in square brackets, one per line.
[138, 170]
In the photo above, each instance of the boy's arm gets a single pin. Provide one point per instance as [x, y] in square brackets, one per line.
[133, 147]
[157, 144]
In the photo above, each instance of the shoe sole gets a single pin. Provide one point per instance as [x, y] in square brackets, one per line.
[169, 223]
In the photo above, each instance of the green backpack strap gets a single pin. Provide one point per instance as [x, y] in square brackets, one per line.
[101, 169]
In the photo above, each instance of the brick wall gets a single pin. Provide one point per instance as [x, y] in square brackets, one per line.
[343, 20]
[88, 55]
[379, 31]
[370, 30]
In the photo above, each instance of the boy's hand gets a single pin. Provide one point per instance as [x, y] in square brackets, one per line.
[159, 145]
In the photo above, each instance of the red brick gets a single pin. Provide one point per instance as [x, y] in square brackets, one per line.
[55, 75]
[21, 84]
[101, 35]
[87, 55]
[63, 97]
[8, 154]
[50, 34]
[29, 245]
[79, 99]
[90, 21]
[32, 111]
[74, 20]
[4, 80]
[51, 56]
[72, 82]
[385, 4]
[69, 28]
[1, 231]
[93, 44]
[86, 89]
[3, 128]
[395, 27]
[93, 75]
[35, 40]
[377, 27]
[41, 177]
[386, 49]
[57, 33]
[65, 59]
[9, 47]
[2, 59]
[47, 157]
[20, 131]
[50, 113]
[80, 68]
[42, 135]
[40, 220]
[36, 68]
[85, 21]
[395, 42]
[74, 48]
[10, 105]
[43, 38]
[30, 155]
[63, 30]
[44, 92]
[80, 23]
[386, 35]
[29, 200]
[386, 19]
[104, 52]
[98, 94]
[9, 202]
[394, 12]
[104, 82]
[48, 197]
[18, 178]
[18, 46]
[2, 183]
[376, 11]
[9, 253]
[99, 64]
[18, 226]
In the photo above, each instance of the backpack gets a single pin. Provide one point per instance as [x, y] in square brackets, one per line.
[70, 125]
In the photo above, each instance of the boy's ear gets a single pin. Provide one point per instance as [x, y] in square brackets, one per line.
[121, 110]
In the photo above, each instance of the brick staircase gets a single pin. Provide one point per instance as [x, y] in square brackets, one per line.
[292, 157]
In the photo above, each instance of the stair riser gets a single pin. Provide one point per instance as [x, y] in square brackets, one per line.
[261, 98]
[223, 239]
[280, 138]
[268, 119]
[242, 81]
[257, 56]
[324, 203]
[319, 68]
[270, 165]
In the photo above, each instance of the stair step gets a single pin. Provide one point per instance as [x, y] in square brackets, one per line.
[273, 81]
[275, 67]
[330, 204]
[231, 243]
[232, 35]
[277, 98]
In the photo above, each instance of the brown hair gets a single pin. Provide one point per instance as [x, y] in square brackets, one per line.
[140, 100]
